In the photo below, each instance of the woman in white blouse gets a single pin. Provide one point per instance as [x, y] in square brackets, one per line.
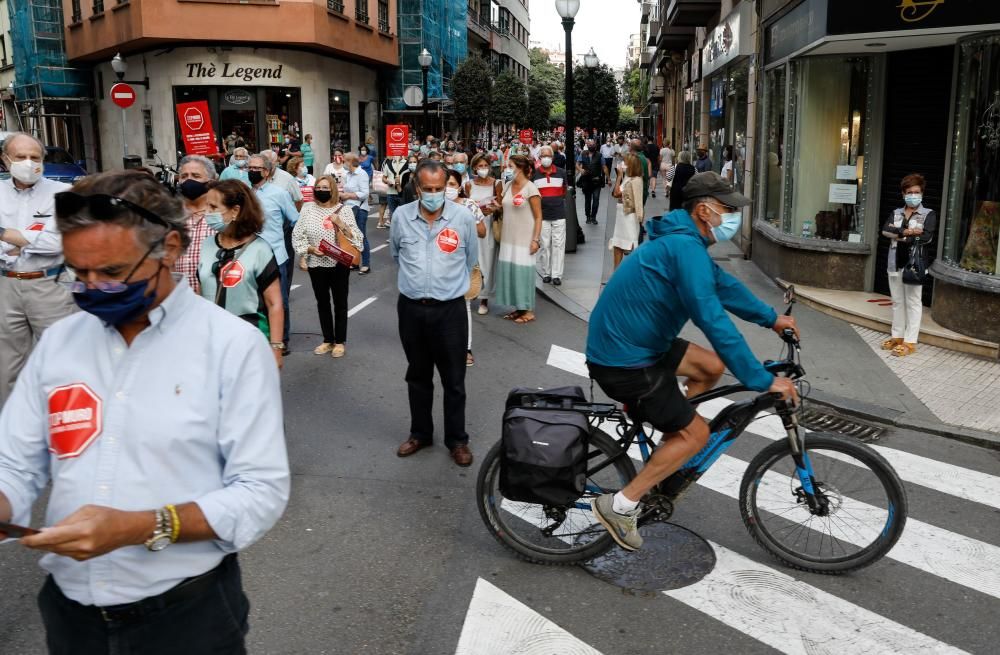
[322, 219]
[455, 192]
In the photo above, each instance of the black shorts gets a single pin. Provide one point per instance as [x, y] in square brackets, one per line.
[651, 393]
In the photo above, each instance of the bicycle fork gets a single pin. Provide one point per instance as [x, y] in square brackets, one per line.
[810, 492]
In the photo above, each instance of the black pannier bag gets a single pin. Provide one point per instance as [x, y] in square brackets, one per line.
[543, 456]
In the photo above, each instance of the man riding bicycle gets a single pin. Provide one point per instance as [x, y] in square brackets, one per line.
[635, 355]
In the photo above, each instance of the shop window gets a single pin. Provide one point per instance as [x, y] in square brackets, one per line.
[340, 120]
[972, 235]
[773, 154]
[830, 100]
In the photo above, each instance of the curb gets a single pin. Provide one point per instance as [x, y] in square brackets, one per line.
[561, 300]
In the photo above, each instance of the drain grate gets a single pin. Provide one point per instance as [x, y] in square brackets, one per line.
[815, 419]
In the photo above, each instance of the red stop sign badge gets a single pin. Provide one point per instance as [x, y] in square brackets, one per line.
[518, 200]
[231, 274]
[75, 419]
[193, 118]
[448, 240]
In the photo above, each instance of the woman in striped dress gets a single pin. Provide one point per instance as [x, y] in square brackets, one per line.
[519, 241]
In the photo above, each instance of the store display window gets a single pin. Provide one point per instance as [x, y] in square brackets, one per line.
[972, 233]
[340, 120]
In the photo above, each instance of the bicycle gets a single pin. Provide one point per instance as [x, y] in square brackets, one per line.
[791, 489]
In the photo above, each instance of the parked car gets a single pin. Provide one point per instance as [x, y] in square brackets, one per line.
[59, 164]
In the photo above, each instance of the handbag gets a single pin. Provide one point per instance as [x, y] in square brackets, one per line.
[342, 252]
[475, 283]
[915, 271]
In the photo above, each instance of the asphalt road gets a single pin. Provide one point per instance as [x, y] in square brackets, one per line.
[382, 555]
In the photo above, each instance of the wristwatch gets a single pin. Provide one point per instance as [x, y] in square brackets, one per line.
[277, 346]
[162, 534]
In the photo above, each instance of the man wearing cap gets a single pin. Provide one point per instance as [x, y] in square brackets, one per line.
[704, 163]
[635, 355]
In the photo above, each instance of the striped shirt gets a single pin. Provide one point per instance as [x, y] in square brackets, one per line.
[551, 185]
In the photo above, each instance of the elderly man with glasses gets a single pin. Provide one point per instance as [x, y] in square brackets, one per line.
[30, 256]
[237, 169]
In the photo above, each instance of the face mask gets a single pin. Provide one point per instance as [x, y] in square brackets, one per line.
[412, 167]
[364, 153]
[26, 171]
[323, 195]
[256, 177]
[451, 193]
[117, 308]
[729, 226]
[459, 168]
[546, 161]
[301, 172]
[432, 201]
[240, 163]
[483, 173]
[913, 199]
[508, 175]
[215, 221]
[193, 189]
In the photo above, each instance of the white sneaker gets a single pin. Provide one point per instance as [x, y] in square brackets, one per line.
[323, 348]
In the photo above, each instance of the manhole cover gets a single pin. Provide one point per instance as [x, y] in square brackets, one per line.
[671, 557]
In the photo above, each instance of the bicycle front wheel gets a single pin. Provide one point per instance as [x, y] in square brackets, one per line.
[554, 534]
[866, 505]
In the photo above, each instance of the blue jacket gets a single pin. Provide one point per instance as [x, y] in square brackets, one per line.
[667, 281]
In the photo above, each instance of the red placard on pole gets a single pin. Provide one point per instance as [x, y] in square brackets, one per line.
[397, 140]
[196, 128]
[123, 95]
[526, 136]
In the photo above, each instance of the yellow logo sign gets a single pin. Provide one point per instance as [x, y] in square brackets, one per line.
[914, 11]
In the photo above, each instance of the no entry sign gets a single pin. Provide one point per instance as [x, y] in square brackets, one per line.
[75, 417]
[123, 95]
[397, 139]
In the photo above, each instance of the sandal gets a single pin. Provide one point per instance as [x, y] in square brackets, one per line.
[513, 316]
[890, 344]
[524, 318]
[469, 359]
[904, 349]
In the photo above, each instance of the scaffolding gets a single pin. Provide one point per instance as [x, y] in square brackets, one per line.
[439, 26]
[50, 96]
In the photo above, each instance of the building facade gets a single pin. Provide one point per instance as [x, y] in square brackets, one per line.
[8, 115]
[499, 32]
[321, 78]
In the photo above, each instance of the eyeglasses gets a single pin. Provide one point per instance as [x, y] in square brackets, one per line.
[102, 206]
[105, 286]
[222, 257]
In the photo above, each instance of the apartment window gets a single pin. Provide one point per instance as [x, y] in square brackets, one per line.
[77, 15]
[3, 51]
[383, 15]
[335, 5]
[361, 11]
[98, 7]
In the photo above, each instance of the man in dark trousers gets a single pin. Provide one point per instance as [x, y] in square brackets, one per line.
[435, 245]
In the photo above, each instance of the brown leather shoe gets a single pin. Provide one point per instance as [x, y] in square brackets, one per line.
[411, 446]
[462, 455]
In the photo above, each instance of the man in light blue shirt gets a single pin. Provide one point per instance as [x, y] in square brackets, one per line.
[237, 169]
[278, 208]
[157, 418]
[357, 187]
[435, 245]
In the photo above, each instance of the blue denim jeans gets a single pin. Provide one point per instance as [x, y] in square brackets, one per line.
[361, 217]
[286, 283]
[393, 201]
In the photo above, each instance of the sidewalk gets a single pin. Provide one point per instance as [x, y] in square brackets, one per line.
[936, 390]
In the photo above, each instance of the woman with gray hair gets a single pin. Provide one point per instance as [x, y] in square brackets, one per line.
[194, 172]
[683, 172]
[237, 169]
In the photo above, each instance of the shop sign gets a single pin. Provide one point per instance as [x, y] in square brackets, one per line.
[397, 140]
[237, 97]
[686, 74]
[229, 71]
[696, 67]
[858, 16]
[717, 98]
[795, 30]
[844, 194]
[729, 40]
[196, 128]
[847, 172]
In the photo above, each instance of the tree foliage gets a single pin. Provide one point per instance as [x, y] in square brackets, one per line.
[510, 100]
[539, 108]
[632, 87]
[472, 91]
[546, 75]
[557, 115]
[627, 120]
[596, 98]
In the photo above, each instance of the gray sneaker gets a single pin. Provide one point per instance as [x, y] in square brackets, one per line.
[623, 527]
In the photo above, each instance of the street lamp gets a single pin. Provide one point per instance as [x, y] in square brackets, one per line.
[591, 61]
[425, 58]
[567, 11]
[120, 67]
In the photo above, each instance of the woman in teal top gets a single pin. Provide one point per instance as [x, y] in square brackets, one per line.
[237, 269]
[306, 149]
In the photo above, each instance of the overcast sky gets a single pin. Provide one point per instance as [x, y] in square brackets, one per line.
[604, 25]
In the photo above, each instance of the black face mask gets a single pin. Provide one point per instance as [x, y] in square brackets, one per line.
[193, 189]
[322, 195]
[255, 177]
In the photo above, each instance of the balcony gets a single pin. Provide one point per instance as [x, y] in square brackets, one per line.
[654, 29]
[691, 13]
[674, 38]
[647, 5]
[479, 29]
[646, 58]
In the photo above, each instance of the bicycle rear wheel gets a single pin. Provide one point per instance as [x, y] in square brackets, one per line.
[553, 535]
[867, 505]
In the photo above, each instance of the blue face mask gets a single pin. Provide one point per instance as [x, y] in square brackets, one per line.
[508, 175]
[459, 168]
[432, 201]
[729, 227]
[215, 221]
[117, 308]
[240, 163]
[913, 199]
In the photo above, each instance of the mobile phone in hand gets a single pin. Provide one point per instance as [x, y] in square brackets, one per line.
[16, 531]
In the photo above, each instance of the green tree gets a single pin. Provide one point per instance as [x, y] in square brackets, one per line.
[472, 92]
[627, 119]
[510, 100]
[545, 74]
[596, 98]
[539, 108]
[631, 86]
[557, 115]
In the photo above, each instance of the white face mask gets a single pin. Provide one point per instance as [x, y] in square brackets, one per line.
[26, 171]
[546, 161]
[451, 193]
[483, 172]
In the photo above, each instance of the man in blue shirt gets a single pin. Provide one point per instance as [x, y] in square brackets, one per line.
[435, 245]
[278, 208]
[633, 351]
[357, 187]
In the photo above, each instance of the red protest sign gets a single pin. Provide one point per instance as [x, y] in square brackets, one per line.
[123, 95]
[75, 416]
[397, 140]
[196, 128]
[526, 136]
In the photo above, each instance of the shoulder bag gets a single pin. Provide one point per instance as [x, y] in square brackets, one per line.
[915, 271]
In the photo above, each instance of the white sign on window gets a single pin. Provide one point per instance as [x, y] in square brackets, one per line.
[847, 172]
[844, 193]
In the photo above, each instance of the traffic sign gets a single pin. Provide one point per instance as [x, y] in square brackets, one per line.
[397, 140]
[413, 96]
[123, 95]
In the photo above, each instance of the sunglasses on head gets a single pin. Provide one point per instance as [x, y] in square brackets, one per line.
[102, 206]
